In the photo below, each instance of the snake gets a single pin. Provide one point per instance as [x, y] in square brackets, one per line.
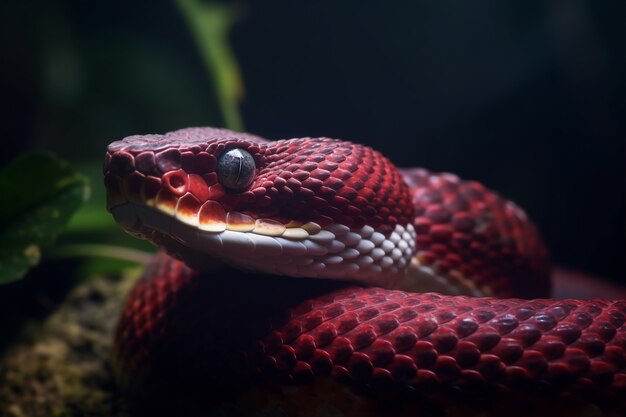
[315, 268]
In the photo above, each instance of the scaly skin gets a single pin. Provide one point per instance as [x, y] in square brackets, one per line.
[391, 344]
[209, 338]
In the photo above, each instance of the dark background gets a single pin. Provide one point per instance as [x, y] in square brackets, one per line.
[527, 98]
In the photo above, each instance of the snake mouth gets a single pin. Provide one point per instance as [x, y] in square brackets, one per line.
[302, 250]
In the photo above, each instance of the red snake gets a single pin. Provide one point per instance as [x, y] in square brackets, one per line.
[324, 208]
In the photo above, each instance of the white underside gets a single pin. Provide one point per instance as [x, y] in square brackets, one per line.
[336, 252]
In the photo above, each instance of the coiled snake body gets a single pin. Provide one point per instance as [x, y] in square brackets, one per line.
[389, 244]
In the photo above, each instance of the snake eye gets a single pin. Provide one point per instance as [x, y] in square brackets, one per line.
[235, 169]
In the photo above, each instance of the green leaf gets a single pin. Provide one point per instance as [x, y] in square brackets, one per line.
[39, 195]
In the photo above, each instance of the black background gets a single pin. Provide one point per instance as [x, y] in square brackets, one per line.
[526, 97]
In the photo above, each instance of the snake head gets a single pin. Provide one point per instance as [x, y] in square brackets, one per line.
[304, 207]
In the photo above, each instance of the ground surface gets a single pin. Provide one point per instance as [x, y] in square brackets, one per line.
[61, 366]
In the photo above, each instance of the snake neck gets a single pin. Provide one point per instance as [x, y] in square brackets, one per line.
[321, 208]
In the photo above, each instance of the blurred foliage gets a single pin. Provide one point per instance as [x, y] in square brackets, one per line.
[82, 75]
[41, 194]
[153, 87]
[210, 23]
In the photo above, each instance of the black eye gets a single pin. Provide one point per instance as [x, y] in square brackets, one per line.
[235, 169]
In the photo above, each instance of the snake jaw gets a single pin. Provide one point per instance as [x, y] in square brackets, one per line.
[303, 250]
[331, 252]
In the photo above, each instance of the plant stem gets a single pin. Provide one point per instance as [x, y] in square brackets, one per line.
[100, 251]
[210, 23]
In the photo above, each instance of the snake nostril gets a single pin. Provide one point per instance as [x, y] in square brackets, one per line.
[176, 181]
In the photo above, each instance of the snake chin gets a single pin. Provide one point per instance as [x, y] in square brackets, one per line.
[333, 252]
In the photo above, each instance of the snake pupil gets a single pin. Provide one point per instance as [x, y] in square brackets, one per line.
[235, 169]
